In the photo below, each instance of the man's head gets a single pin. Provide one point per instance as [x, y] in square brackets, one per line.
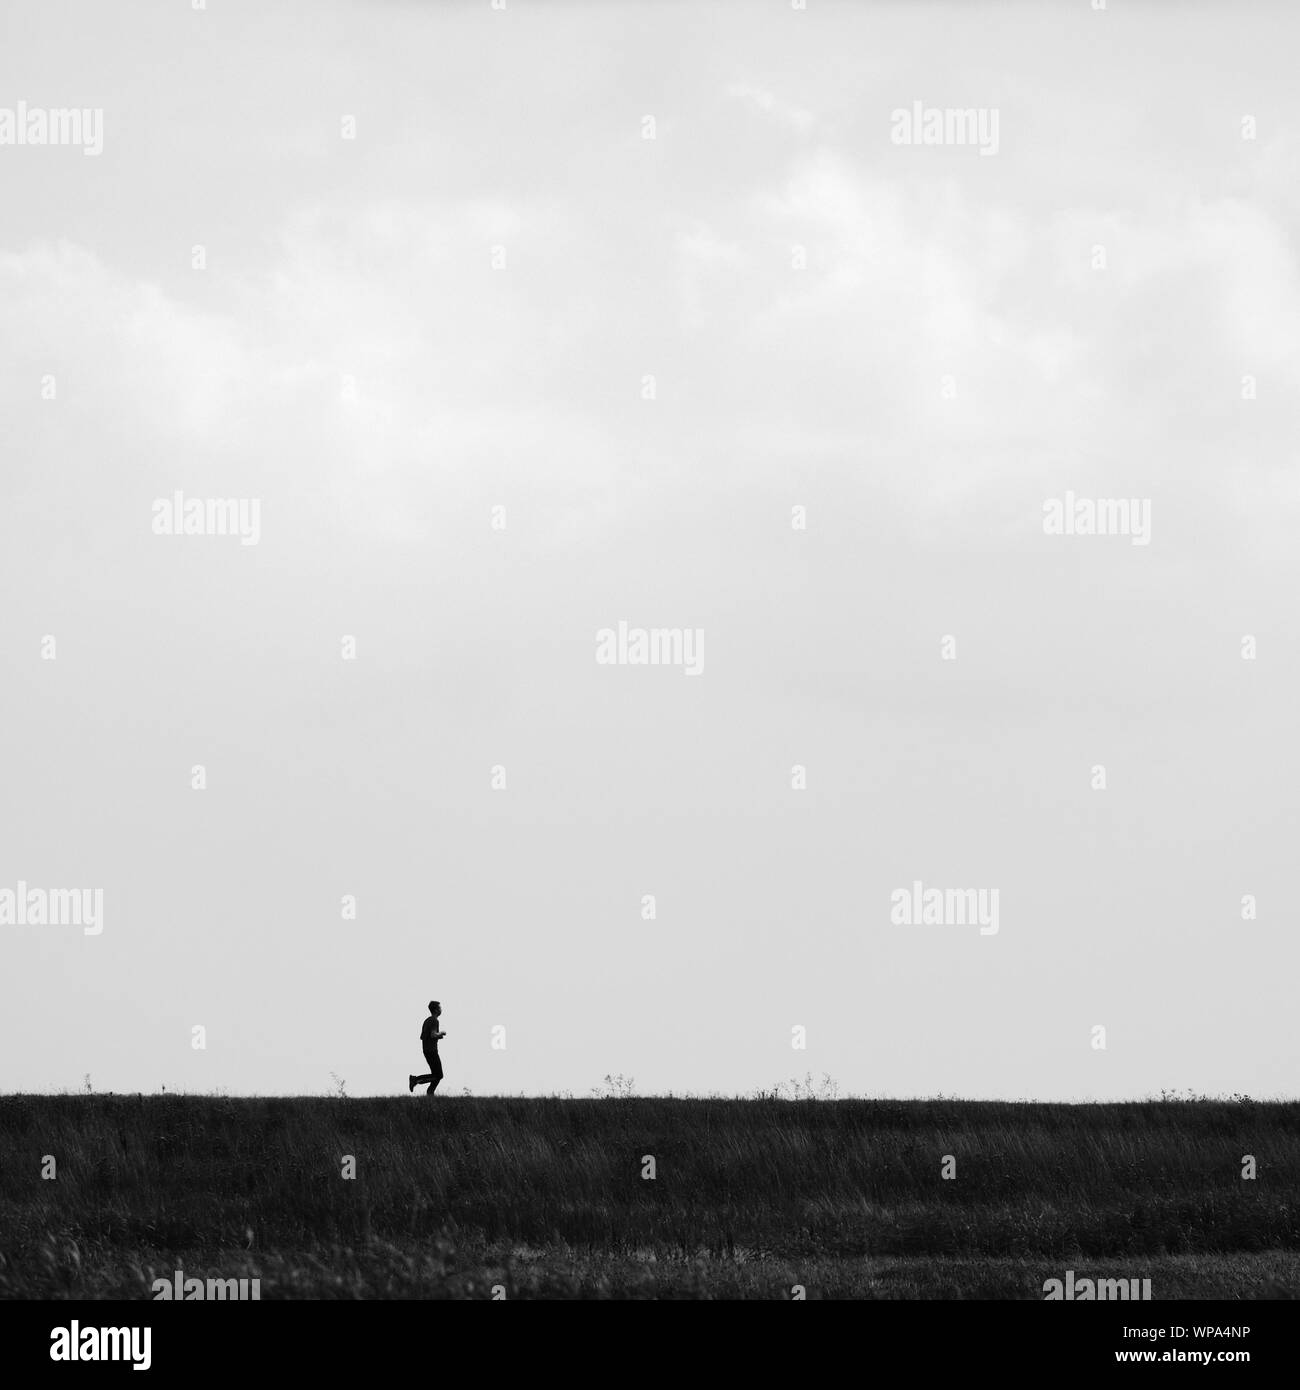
[434, 1007]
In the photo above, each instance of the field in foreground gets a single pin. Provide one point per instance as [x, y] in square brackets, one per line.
[551, 1198]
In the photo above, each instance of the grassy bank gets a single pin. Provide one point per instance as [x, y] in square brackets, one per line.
[546, 1196]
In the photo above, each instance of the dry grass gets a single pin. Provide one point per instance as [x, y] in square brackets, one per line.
[546, 1198]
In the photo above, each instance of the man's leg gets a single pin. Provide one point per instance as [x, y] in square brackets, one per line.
[435, 1072]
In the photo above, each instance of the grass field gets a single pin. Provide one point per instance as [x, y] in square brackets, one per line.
[546, 1198]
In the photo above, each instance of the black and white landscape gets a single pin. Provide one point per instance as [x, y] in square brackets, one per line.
[745, 549]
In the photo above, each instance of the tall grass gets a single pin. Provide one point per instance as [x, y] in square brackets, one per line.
[449, 1190]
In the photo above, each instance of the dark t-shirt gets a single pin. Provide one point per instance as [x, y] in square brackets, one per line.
[429, 1034]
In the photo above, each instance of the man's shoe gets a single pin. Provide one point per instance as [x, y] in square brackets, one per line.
[410, 1083]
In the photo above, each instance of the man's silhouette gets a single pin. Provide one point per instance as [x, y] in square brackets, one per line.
[429, 1036]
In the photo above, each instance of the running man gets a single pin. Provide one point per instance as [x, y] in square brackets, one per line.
[429, 1036]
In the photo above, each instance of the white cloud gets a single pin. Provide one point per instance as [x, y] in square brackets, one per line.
[766, 103]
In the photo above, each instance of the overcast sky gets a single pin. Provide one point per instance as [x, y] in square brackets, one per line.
[919, 344]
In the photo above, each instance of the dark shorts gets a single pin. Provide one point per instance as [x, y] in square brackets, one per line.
[433, 1062]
